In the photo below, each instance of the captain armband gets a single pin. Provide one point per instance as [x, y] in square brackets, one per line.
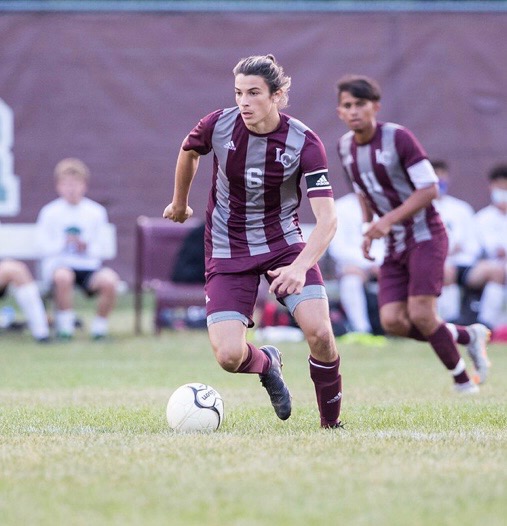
[317, 181]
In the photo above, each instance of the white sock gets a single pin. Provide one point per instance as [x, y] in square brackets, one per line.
[99, 326]
[449, 302]
[353, 300]
[31, 304]
[491, 305]
[65, 321]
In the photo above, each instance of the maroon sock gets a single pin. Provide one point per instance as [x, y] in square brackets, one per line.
[328, 388]
[445, 347]
[463, 337]
[255, 362]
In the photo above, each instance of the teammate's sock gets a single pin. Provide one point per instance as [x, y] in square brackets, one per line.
[99, 327]
[30, 302]
[65, 321]
[459, 333]
[353, 301]
[491, 304]
[255, 362]
[328, 388]
[444, 346]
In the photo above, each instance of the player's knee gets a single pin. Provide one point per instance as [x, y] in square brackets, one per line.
[421, 316]
[393, 323]
[227, 357]
[106, 280]
[322, 343]
[63, 277]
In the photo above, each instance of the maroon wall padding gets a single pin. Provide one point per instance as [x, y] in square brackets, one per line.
[121, 91]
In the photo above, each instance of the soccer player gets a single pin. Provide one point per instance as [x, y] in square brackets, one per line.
[394, 179]
[16, 275]
[69, 230]
[260, 158]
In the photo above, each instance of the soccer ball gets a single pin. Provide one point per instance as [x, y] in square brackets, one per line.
[195, 407]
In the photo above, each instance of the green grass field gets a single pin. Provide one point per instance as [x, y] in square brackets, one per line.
[84, 439]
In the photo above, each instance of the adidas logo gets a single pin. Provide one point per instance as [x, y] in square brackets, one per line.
[322, 181]
[335, 399]
[230, 145]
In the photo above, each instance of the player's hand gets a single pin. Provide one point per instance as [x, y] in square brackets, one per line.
[366, 246]
[178, 215]
[287, 280]
[379, 228]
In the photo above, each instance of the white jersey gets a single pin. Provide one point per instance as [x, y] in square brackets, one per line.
[63, 228]
[458, 218]
[345, 248]
[491, 228]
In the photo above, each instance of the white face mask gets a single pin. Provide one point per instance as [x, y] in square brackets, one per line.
[499, 196]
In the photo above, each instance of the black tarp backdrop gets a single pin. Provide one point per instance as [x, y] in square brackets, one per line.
[121, 90]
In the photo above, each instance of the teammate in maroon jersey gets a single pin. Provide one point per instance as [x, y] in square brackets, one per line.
[391, 174]
[260, 158]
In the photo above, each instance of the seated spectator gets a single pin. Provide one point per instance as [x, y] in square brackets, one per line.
[16, 276]
[70, 244]
[464, 249]
[352, 269]
[490, 272]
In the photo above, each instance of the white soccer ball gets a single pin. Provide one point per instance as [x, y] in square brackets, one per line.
[195, 407]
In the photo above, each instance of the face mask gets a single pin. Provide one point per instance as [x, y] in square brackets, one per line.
[443, 186]
[499, 196]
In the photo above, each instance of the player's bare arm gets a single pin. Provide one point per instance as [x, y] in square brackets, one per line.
[291, 279]
[186, 168]
[420, 199]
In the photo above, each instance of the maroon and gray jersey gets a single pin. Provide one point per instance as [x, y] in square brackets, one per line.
[386, 171]
[255, 194]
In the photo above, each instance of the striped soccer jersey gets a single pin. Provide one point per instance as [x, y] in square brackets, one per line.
[255, 193]
[379, 170]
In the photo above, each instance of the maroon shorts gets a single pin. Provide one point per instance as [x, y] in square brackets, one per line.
[232, 283]
[417, 271]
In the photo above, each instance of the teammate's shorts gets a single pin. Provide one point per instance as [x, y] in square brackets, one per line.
[417, 271]
[232, 284]
[83, 278]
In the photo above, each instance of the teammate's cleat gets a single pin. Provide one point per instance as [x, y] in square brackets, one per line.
[44, 340]
[274, 383]
[479, 337]
[338, 425]
[64, 336]
[467, 388]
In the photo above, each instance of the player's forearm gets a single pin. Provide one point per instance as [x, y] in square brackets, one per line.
[365, 208]
[322, 234]
[186, 168]
[420, 199]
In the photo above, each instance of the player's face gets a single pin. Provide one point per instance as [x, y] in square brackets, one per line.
[258, 106]
[358, 114]
[71, 188]
[498, 189]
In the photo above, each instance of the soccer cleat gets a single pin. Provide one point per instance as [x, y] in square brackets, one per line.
[275, 385]
[338, 425]
[64, 336]
[479, 337]
[44, 340]
[467, 388]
